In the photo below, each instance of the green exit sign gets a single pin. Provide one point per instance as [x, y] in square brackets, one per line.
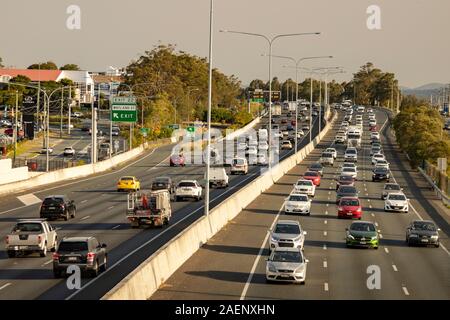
[258, 100]
[190, 129]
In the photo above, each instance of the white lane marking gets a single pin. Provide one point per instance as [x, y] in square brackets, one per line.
[5, 286]
[381, 236]
[328, 204]
[376, 223]
[84, 201]
[326, 222]
[386, 249]
[370, 206]
[152, 239]
[84, 218]
[395, 268]
[152, 168]
[405, 291]
[29, 199]
[48, 262]
[372, 214]
[82, 180]
[325, 233]
[325, 286]
[324, 246]
[116, 227]
[325, 264]
[110, 207]
[329, 192]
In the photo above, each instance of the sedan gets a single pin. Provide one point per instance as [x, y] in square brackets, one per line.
[376, 157]
[44, 150]
[332, 151]
[396, 202]
[347, 171]
[422, 232]
[312, 176]
[177, 160]
[69, 151]
[388, 188]
[287, 233]
[362, 234]
[298, 203]
[346, 191]
[286, 264]
[286, 145]
[381, 174]
[300, 134]
[129, 183]
[382, 164]
[317, 167]
[349, 207]
[344, 180]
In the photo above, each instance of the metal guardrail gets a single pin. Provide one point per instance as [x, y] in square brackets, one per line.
[445, 199]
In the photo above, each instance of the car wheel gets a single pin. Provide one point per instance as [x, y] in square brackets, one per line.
[376, 248]
[177, 199]
[436, 245]
[43, 253]
[56, 274]
[409, 243]
[11, 254]
[94, 272]
[73, 214]
[66, 217]
[104, 265]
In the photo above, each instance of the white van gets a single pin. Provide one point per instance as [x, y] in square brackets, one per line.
[239, 165]
[218, 177]
[263, 135]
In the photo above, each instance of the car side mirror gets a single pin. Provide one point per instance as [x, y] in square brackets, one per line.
[306, 260]
[103, 245]
[305, 233]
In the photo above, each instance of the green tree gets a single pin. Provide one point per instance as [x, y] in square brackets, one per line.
[70, 66]
[49, 65]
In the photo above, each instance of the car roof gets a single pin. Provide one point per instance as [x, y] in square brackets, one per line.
[127, 177]
[391, 184]
[291, 222]
[363, 222]
[396, 193]
[188, 181]
[76, 239]
[55, 196]
[288, 249]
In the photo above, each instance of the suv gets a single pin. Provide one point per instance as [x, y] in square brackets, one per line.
[188, 189]
[362, 234]
[83, 252]
[54, 207]
[327, 158]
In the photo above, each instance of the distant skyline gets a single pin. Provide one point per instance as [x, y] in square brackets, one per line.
[412, 43]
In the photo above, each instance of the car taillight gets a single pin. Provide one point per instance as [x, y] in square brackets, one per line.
[7, 239]
[340, 209]
[56, 256]
[62, 206]
[90, 257]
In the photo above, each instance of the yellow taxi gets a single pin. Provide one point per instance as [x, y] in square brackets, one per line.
[128, 183]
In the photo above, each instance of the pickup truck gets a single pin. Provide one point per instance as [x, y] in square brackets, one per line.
[29, 236]
[218, 177]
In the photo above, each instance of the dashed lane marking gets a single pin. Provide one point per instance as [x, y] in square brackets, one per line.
[395, 268]
[324, 246]
[5, 286]
[84, 201]
[84, 218]
[386, 250]
[113, 228]
[326, 222]
[405, 291]
[110, 207]
[325, 233]
[325, 264]
[325, 286]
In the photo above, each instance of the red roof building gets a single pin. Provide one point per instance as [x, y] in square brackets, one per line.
[34, 74]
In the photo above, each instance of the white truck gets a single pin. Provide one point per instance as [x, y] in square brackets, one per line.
[354, 137]
[148, 207]
[292, 106]
[276, 110]
[263, 135]
[218, 177]
[30, 236]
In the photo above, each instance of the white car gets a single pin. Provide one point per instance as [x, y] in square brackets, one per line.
[44, 150]
[304, 186]
[359, 117]
[374, 135]
[297, 203]
[287, 233]
[69, 151]
[351, 154]
[286, 144]
[376, 157]
[326, 158]
[372, 123]
[390, 187]
[262, 159]
[253, 142]
[300, 134]
[332, 151]
[286, 265]
[349, 165]
[396, 202]
[375, 150]
[188, 189]
[339, 139]
[382, 164]
[239, 165]
[263, 146]
[352, 172]
[252, 151]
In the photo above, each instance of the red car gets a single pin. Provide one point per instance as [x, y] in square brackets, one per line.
[373, 128]
[313, 176]
[283, 121]
[350, 207]
[293, 122]
[177, 160]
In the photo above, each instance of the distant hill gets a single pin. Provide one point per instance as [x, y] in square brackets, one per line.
[423, 91]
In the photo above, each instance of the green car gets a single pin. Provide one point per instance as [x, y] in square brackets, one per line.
[362, 234]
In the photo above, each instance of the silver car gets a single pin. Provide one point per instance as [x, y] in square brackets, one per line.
[287, 234]
[286, 264]
[390, 187]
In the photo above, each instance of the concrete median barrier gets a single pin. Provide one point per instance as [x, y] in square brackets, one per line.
[153, 272]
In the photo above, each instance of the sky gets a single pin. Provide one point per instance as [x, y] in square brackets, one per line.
[413, 39]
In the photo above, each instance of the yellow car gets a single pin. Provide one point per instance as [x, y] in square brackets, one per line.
[128, 183]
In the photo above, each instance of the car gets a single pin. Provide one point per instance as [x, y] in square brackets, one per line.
[390, 187]
[396, 201]
[5, 123]
[380, 174]
[349, 207]
[176, 160]
[293, 122]
[351, 154]
[349, 165]
[375, 144]
[344, 180]
[57, 206]
[332, 151]
[252, 151]
[287, 234]
[373, 128]
[128, 183]
[283, 121]
[346, 191]
[372, 123]
[305, 127]
[263, 146]
[362, 234]
[239, 165]
[382, 164]
[252, 141]
[86, 129]
[290, 128]
[348, 171]
[374, 135]
[241, 146]
[262, 159]
[115, 133]
[286, 265]
[340, 139]
[316, 167]
[69, 151]
[327, 158]
[162, 183]
[303, 186]
[188, 189]
[313, 176]
[376, 157]
[300, 134]
[44, 150]
[286, 145]
[422, 232]
[297, 203]
[84, 252]
[375, 150]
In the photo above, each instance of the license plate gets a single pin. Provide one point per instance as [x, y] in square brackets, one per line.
[349, 213]
[186, 189]
[424, 240]
[23, 247]
[51, 208]
[72, 259]
[284, 276]
[362, 242]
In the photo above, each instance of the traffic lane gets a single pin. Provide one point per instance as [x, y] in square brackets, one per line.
[226, 260]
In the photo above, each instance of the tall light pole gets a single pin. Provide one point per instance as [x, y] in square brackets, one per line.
[270, 42]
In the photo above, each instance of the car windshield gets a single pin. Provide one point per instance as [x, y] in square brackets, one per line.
[381, 170]
[348, 169]
[53, 201]
[298, 198]
[397, 197]
[287, 228]
[350, 151]
[126, 179]
[392, 187]
[345, 178]
[186, 184]
[311, 174]
[362, 227]
[238, 161]
[345, 189]
[381, 162]
[73, 246]
[427, 226]
[349, 202]
[28, 227]
[304, 183]
[327, 155]
[287, 256]
[316, 166]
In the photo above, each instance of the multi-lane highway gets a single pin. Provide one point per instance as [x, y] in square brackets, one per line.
[101, 213]
[232, 265]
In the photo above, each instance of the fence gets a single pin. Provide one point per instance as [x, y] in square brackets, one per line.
[440, 179]
[39, 165]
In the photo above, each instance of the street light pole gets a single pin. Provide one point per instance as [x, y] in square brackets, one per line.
[310, 108]
[16, 126]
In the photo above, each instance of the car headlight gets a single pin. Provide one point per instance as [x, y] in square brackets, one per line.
[413, 235]
[274, 239]
[271, 268]
[300, 269]
[350, 237]
[435, 237]
[374, 238]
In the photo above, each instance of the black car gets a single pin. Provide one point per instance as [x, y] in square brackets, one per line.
[422, 233]
[346, 191]
[162, 183]
[344, 181]
[55, 207]
[317, 167]
[381, 174]
[290, 128]
[84, 252]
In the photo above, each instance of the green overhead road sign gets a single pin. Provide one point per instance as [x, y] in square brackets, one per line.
[123, 109]
[258, 100]
[190, 129]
